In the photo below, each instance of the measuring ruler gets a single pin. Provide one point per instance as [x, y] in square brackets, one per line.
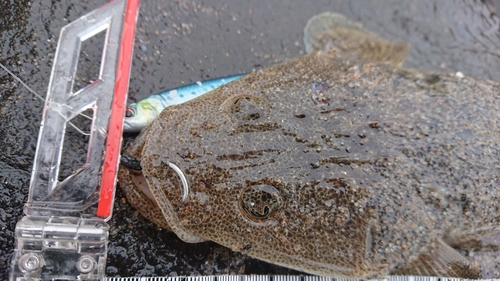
[276, 278]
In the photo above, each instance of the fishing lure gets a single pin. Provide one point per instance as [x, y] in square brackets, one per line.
[140, 114]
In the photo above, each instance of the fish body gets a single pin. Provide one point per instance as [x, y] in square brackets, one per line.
[331, 164]
[142, 113]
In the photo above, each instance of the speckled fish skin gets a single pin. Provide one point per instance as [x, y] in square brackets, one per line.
[332, 166]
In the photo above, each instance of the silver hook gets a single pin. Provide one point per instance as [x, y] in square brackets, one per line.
[184, 181]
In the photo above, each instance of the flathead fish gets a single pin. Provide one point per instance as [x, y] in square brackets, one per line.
[338, 163]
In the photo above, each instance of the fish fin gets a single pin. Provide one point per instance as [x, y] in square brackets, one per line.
[440, 260]
[320, 25]
[331, 31]
[482, 238]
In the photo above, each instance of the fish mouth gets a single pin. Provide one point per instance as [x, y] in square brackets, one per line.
[135, 175]
[136, 189]
[140, 182]
[146, 195]
[161, 188]
[151, 203]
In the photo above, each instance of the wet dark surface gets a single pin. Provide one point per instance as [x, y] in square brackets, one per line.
[180, 42]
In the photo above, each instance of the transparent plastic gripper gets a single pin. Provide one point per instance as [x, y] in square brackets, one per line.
[64, 234]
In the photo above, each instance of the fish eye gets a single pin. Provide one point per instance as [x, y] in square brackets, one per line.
[259, 215]
[237, 100]
[247, 108]
[129, 112]
[259, 202]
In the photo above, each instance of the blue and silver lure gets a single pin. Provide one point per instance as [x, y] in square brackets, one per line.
[140, 114]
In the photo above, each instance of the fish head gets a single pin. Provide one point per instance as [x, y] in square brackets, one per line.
[252, 166]
[141, 114]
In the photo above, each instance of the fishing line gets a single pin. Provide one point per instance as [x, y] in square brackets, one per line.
[40, 97]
